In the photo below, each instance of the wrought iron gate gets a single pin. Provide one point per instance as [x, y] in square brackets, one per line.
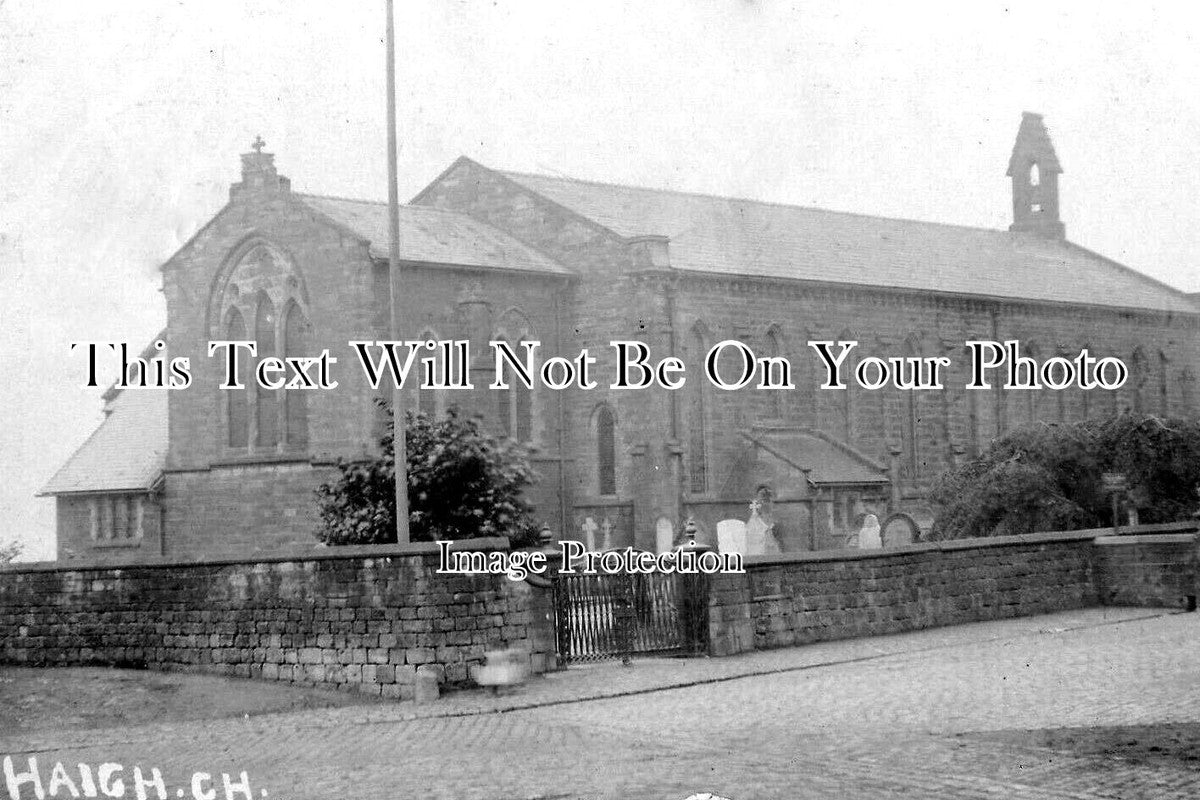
[621, 615]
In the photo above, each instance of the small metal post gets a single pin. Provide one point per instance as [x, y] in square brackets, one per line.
[694, 597]
[623, 618]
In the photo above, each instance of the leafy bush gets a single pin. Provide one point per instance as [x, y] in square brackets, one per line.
[1048, 477]
[462, 484]
[10, 551]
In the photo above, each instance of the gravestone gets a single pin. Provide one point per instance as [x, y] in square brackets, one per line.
[731, 536]
[664, 535]
[898, 530]
[869, 535]
[760, 538]
[589, 528]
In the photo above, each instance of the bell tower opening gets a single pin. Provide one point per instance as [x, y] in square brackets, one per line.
[1034, 170]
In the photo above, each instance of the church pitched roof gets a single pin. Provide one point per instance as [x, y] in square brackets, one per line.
[723, 235]
[827, 461]
[126, 453]
[434, 235]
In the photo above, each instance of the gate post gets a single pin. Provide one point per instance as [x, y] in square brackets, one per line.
[623, 619]
[559, 600]
[693, 595]
[562, 621]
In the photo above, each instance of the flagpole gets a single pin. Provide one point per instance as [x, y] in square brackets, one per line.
[399, 441]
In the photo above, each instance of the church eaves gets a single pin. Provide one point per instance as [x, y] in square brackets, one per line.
[730, 236]
[434, 236]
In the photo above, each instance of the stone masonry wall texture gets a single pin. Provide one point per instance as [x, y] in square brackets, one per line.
[363, 622]
[1148, 570]
[366, 618]
[812, 597]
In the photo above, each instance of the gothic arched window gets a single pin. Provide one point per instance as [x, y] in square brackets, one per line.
[296, 337]
[1035, 175]
[1085, 395]
[1139, 376]
[429, 401]
[910, 424]
[504, 406]
[523, 412]
[1164, 390]
[775, 350]
[1032, 396]
[260, 296]
[514, 406]
[266, 400]
[606, 450]
[1060, 395]
[846, 398]
[237, 412]
[696, 423]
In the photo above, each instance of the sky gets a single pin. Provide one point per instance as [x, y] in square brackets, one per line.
[121, 125]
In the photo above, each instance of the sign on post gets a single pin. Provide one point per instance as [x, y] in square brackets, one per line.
[1115, 484]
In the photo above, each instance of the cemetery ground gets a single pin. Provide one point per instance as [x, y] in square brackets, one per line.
[1097, 703]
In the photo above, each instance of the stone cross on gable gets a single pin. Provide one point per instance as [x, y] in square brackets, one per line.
[607, 527]
[258, 144]
[589, 528]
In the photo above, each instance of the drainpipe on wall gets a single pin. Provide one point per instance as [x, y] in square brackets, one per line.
[156, 498]
[155, 495]
[562, 455]
[674, 404]
[893, 470]
[998, 394]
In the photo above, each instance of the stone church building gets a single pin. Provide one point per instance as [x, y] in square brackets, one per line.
[488, 254]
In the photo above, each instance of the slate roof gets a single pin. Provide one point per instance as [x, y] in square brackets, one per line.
[434, 236]
[126, 453]
[730, 236]
[830, 462]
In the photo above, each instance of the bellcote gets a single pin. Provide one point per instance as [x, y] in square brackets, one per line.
[258, 172]
[1034, 170]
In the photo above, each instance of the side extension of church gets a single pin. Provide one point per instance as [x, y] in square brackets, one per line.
[496, 255]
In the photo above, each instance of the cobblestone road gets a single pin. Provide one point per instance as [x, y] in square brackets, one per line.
[903, 716]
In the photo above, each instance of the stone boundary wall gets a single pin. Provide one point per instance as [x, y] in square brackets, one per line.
[821, 595]
[366, 618]
[361, 618]
[1150, 566]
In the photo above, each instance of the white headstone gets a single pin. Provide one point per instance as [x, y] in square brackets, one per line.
[664, 535]
[869, 536]
[589, 529]
[758, 532]
[731, 536]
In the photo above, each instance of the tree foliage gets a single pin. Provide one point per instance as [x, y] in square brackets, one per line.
[10, 551]
[462, 484]
[1048, 477]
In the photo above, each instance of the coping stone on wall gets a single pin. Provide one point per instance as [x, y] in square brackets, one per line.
[982, 542]
[267, 557]
[1153, 538]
